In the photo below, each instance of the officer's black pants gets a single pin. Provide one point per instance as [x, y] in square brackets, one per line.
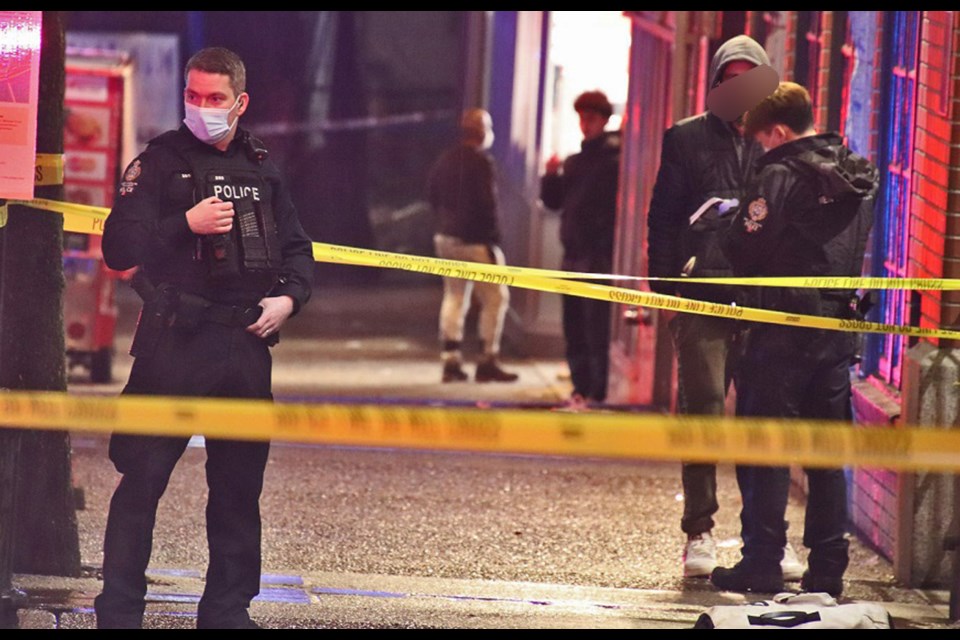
[214, 361]
[788, 372]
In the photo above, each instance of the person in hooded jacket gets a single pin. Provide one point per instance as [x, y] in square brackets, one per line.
[584, 189]
[703, 157]
[808, 213]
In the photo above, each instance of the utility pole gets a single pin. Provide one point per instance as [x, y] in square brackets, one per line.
[38, 526]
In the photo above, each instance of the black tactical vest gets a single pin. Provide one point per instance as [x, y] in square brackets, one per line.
[252, 245]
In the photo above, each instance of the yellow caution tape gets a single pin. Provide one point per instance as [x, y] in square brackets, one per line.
[543, 432]
[48, 170]
[515, 277]
[91, 220]
[809, 282]
[87, 219]
[601, 434]
[77, 218]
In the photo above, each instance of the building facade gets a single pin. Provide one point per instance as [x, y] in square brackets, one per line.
[889, 82]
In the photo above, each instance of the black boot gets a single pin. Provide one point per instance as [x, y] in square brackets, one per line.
[489, 371]
[828, 584]
[450, 354]
[742, 578]
[453, 372]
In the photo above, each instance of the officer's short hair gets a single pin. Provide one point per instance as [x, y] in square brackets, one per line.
[593, 101]
[789, 105]
[222, 61]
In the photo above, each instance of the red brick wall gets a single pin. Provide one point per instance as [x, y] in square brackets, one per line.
[935, 211]
[822, 99]
[877, 75]
[790, 25]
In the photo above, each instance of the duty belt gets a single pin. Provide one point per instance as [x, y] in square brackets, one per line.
[232, 316]
[192, 310]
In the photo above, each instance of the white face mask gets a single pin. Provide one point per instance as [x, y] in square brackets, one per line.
[487, 140]
[209, 124]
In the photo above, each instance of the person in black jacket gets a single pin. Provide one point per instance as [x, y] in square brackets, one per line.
[703, 157]
[213, 305]
[462, 191]
[584, 188]
[808, 213]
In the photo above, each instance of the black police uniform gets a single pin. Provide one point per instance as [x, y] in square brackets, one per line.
[200, 349]
[808, 214]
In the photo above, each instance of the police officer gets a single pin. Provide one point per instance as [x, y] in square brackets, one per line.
[808, 213]
[223, 263]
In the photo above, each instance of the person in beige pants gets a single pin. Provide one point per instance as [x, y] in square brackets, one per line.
[462, 192]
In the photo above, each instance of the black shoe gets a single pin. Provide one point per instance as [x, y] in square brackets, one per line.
[488, 371]
[741, 578]
[109, 617]
[245, 623]
[826, 584]
[452, 372]
[106, 622]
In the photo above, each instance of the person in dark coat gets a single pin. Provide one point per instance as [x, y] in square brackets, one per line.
[462, 190]
[584, 189]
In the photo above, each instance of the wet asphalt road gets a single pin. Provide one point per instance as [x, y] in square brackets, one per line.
[395, 538]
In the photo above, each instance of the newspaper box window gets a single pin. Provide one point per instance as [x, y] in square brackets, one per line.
[96, 130]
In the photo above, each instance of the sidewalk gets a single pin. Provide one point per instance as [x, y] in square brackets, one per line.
[388, 539]
[351, 601]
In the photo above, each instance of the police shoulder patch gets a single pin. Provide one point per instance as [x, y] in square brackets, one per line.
[757, 209]
[129, 182]
[133, 171]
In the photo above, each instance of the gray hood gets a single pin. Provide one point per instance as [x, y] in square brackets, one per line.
[736, 48]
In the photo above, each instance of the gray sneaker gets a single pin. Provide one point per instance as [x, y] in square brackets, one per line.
[791, 565]
[699, 556]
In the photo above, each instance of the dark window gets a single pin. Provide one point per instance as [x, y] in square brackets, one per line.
[901, 31]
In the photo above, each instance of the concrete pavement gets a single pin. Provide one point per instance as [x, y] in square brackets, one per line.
[374, 538]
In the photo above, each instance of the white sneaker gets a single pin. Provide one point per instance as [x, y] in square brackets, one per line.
[791, 565]
[699, 556]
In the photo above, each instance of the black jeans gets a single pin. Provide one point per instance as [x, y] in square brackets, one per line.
[586, 329]
[214, 361]
[789, 372]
